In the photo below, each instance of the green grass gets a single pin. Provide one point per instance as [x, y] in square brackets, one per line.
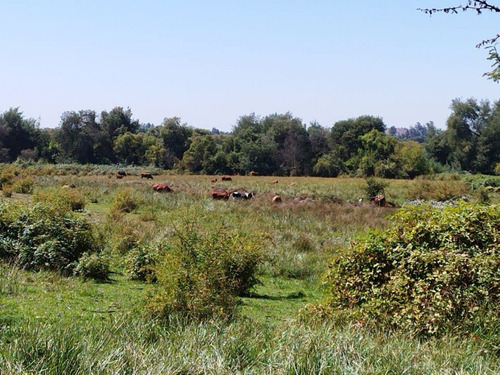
[55, 325]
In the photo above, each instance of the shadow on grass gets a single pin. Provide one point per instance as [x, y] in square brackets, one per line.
[295, 295]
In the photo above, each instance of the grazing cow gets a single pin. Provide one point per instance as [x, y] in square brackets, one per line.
[253, 173]
[213, 180]
[121, 172]
[119, 176]
[161, 187]
[292, 183]
[146, 175]
[226, 178]
[70, 186]
[274, 182]
[276, 199]
[241, 194]
[219, 194]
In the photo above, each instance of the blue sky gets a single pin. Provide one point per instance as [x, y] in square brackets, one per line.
[210, 62]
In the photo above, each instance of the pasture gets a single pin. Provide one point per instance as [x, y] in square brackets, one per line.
[53, 324]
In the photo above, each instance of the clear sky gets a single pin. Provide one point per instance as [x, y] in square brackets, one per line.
[210, 62]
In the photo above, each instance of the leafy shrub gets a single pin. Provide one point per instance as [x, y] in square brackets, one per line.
[24, 185]
[200, 275]
[43, 236]
[64, 199]
[141, 263]
[7, 191]
[93, 266]
[433, 270]
[374, 187]
[440, 190]
[124, 201]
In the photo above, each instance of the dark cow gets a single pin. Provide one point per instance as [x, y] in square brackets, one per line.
[219, 194]
[213, 180]
[146, 175]
[241, 194]
[161, 187]
[119, 176]
[226, 178]
[276, 199]
[253, 173]
[121, 172]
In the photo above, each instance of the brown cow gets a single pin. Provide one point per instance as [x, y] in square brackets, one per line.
[226, 178]
[213, 180]
[276, 199]
[274, 182]
[253, 173]
[219, 194]
[161, 187]
[292, 183]
[119, 176]
[380, 201]
[146, 175]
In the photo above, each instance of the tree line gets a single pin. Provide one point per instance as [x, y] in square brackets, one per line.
[277, 144]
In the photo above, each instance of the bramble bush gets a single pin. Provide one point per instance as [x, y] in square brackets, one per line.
[433, 271]
[201, 275]
[44, 237]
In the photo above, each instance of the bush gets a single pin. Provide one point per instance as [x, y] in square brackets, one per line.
[201, 275]
[64, 199]
[43, 236]
[93, 266]
[141, 263]
[24, 185]
[374, 187]
[124, 201]
[433, 271]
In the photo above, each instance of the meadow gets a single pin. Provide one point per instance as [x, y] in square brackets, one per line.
[51, 323]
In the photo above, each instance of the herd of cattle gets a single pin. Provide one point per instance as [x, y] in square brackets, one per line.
[224, 194]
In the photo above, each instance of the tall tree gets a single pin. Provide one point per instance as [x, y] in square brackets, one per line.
[16, 134]
[345, 136]
[77, 136]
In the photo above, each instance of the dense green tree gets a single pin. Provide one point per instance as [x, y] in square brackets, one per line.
[488, 143]
[345, 135]
[16, 134]
[131, 148]
[318, 137]
[113, 124]
[77, 136]
[293, 146]
[175, 136]
[410, 159]
[200, 155]
[375, 155]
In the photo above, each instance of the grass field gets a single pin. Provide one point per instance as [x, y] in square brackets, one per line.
[50, 324]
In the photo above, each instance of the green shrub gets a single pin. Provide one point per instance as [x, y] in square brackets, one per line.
[434, 270]
[141, 262]
[124, 201]
[93, 266]
[24, 185]
[7, 191]
[43, 236]
[64, 199]
[200, 275]
[374, 187]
